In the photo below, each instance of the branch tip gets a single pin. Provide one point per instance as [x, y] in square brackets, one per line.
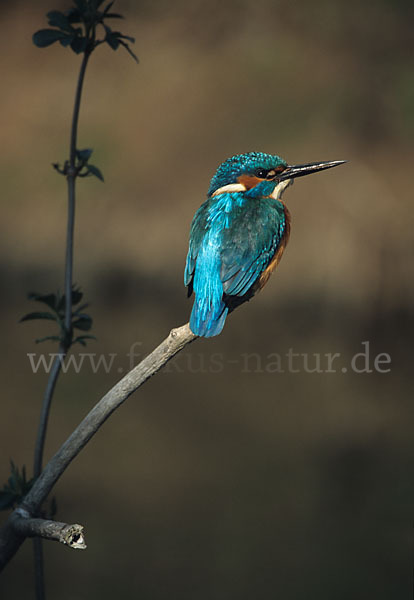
[73, 537]
[69, 534]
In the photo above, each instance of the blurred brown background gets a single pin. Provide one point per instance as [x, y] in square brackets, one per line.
[231, 481]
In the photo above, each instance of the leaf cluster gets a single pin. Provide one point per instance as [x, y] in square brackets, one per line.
[16, 488]
[82, 166]
[56, 304]
[84, 169]
[76, 28]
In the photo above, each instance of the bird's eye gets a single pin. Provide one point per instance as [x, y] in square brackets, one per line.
[262, 173]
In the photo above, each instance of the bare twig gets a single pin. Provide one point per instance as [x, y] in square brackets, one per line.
[10, 539]
[71, 535]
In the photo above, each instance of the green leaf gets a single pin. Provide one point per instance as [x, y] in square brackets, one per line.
[95, 171]
[128, 49]
[115, 38]
[85, 154]
[57, 168]
[61, 304]
[46, 37]
[79, 44]
[58, 19]
[57, 302]
[108, 6]
[112, 41]
[66, 41]
[77, 296]
[124, 37]
[81, 339]
[83, 322]
[74, 15]
[118, 35]
[80, 308]
[16, 487]
[49, 299]
[52, 338]
[108, 15]
[38, 315]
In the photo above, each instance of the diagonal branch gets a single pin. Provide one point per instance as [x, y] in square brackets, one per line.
[10, 539]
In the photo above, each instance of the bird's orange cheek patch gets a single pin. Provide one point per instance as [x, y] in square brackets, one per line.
[249, 181]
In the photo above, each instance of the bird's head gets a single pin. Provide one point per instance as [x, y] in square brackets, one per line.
[246, 172]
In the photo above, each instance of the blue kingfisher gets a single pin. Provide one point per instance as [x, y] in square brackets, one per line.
[238, 235]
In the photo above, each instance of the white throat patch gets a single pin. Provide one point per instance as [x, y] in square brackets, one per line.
[231, 187]
[239, 187]
[280, 188]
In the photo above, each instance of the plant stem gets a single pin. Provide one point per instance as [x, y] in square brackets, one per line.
[65, 344]
[37, 467]
[71, 178]
[38, 568]
[44, 415]
[56, 367]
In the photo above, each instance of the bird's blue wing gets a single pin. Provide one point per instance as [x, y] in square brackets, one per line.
[250, 243]
[202, 271]
[197, 232]
[232, 241]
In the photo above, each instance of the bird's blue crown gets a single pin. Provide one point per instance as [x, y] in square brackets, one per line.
[251, 163]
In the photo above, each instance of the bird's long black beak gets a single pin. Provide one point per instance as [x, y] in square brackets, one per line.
[300, 170]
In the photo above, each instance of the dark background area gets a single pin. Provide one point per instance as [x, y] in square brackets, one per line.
[220, 478]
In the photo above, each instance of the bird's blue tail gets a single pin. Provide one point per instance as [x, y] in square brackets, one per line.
[209, 311]
[205, 321]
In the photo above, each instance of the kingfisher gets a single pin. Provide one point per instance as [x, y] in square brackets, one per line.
[238, 235]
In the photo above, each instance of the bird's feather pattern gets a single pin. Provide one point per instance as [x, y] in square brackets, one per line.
[233, 238]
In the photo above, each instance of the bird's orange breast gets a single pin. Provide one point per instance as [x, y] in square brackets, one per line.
[264, 277]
